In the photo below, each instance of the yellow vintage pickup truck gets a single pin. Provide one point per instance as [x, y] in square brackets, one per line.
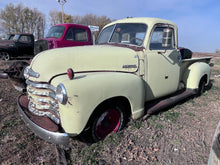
[135, 69]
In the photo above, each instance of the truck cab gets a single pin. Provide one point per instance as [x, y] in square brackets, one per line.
[64, 35]
[135, 69]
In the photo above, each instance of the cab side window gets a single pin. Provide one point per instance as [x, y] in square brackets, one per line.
[25, 39]
[74, 34]
[156, 39]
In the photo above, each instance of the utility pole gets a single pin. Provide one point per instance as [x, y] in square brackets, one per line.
[62, 2]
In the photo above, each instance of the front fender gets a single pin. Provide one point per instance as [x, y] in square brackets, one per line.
[86, 92]
[194, 73]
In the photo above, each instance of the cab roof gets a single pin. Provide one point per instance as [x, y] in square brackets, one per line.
[146, 20]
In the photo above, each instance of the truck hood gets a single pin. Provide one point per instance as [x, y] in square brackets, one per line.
[84, 59]
[6, 43]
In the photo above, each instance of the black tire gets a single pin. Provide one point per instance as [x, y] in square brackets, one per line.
[201, 87]
[108, 118]
[5, 56]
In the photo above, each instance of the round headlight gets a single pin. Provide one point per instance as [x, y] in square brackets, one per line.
[61, 94]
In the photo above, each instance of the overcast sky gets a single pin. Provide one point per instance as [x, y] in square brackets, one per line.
[198, 20]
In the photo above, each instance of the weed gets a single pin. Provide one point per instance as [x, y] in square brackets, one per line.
[10, 123]
[171, 116]
[31, 137]
[91, 153]
[176, 141]
[215, 88]
[21, 146]
[159, 126]
[154, 122]
[155, 117]
[190, 114]
[192, 101]
[136, 124]
[114, 139]
[3, 132]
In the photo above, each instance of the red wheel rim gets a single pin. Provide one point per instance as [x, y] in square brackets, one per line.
[108, 122]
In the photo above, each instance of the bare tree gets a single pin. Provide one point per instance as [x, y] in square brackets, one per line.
[91, 19]
[56, 17]
[19, 19]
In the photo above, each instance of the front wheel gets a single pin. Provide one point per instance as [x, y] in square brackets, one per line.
[106, 120]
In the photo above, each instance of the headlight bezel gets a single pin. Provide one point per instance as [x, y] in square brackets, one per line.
[61, 94]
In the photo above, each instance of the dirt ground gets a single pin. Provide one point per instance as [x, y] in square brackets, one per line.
[179, 135]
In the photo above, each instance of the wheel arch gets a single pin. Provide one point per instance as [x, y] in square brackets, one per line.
[119, 99]
[195, 73]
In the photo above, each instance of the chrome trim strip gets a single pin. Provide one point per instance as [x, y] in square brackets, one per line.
[49, 94]
[40, 86]
[40, 100]
[29, 72]
[33, 109]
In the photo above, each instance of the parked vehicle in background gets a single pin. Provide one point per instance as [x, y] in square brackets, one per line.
[22, 46]
[61, 35]
[64, 35]
[92, 91]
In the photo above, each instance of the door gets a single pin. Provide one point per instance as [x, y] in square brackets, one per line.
[163, 67]
[25, 45]
[76, 37]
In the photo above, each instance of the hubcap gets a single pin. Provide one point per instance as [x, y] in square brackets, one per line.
[5, 56]
[108, 122]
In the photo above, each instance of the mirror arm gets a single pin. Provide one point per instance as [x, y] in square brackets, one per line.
[159, 52]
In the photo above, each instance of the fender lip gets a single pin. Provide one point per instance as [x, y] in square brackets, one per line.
[53, 137]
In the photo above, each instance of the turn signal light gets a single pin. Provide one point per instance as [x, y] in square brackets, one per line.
[70, 73]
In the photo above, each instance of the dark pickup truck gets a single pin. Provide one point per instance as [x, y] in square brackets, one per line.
[22, 46]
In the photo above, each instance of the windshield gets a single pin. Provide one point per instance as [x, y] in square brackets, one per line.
[55, 32]
[9, 37]
[124, 33]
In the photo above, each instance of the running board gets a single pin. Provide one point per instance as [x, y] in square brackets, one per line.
[159, 105]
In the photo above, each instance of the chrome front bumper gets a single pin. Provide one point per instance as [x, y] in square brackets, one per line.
[48, 133]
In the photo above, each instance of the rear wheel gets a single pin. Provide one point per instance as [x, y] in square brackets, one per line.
[5, 56]
[201, 87]
[107, 119]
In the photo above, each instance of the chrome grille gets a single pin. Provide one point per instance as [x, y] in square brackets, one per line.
[42, 100]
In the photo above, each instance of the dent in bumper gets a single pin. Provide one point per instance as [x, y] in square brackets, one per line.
[48, 133]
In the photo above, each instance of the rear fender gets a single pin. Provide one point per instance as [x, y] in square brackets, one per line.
[86, 92]
[194, 73]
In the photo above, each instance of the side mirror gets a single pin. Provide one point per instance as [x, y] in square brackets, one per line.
[167, 38]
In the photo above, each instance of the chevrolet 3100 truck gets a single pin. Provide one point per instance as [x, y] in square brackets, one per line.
[91, 91]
